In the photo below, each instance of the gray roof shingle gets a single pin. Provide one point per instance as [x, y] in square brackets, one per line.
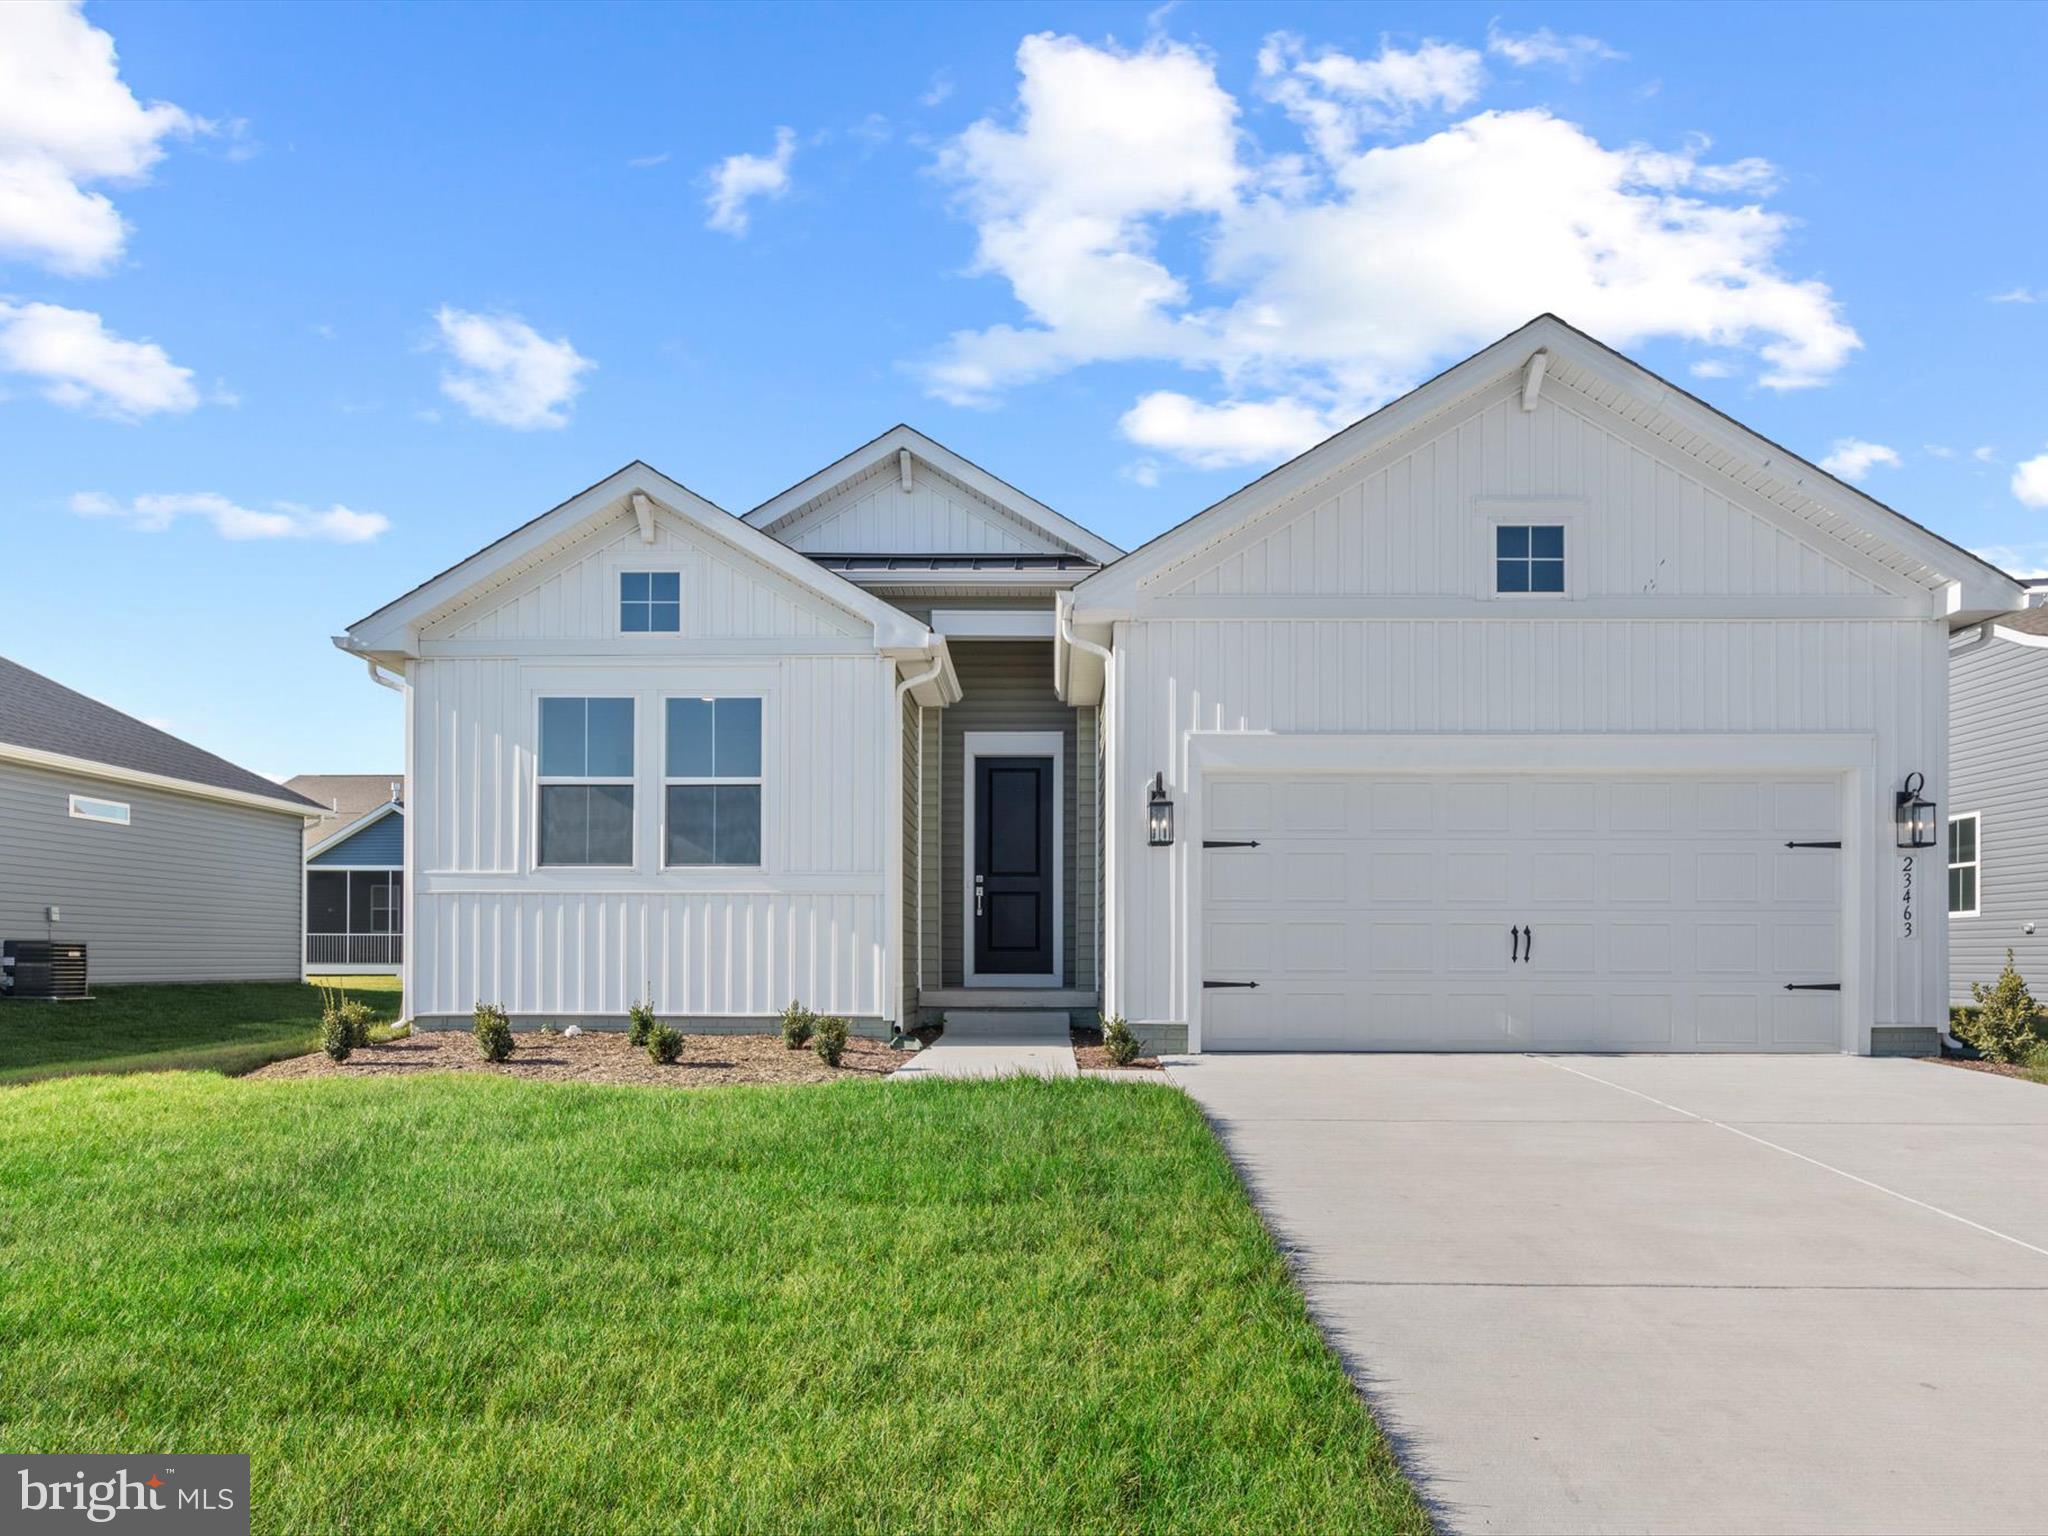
[45, 716]
[346, 798]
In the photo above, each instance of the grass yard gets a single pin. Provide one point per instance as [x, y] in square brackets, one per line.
[478, 1304]
[227, 1027]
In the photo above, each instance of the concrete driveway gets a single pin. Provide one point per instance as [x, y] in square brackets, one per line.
[1662, 1293]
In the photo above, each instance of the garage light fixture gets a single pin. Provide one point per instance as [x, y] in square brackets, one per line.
[1915, 816]
[1159, 815]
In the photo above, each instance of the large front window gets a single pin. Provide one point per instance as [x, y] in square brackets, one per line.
[586, 781]
[712, 782]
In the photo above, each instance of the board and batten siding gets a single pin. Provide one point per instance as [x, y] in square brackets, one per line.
[1364, 606]
[713, 947]
[873, 514]
[1998, 769]
[190, 890]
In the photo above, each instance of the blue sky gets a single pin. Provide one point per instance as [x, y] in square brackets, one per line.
[301, 304]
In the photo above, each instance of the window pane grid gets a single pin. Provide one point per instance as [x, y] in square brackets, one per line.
[1963, 865]
[585, 802]
[711, 770]
[1528, 558]
[650, 602]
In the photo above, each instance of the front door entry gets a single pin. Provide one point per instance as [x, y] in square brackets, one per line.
[1013, 866]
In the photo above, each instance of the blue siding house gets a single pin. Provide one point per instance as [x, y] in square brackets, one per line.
[355, 874]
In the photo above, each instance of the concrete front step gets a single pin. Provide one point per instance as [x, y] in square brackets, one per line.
[1007, 1024]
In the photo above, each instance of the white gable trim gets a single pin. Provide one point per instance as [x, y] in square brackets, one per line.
[361, 824]
[85, 767]
[394, 629]
[773, 515]
[1973, 586]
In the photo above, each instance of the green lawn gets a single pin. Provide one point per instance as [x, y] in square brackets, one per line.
[484, 1305]
[206, 1026]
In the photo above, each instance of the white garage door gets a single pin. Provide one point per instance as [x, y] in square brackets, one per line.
[1522, 913]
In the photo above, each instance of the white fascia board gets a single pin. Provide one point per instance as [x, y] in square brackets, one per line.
[968, 582]
[394, 628]
[86, 768]
[1025, 508]
[993, 623]
[361, 824]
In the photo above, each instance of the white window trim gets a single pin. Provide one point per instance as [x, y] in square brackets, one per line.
[1976, 865]
[79, 811]
[976, 744]
[1565, 513]
[681, 565]
[759, 780]
[542, 781]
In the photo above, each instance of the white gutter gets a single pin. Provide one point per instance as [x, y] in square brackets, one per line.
[1063, 605]
[905, 685]
[377, 676]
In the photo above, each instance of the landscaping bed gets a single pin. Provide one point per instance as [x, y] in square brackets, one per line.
[463, 1302]
[601, 1056]
[2025, 1072]
[1090, 1055]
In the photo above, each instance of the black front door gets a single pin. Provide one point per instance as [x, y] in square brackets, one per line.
[1013, 866]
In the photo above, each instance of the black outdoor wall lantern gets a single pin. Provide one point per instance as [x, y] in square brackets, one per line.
[1914, 815]
[1159, 815]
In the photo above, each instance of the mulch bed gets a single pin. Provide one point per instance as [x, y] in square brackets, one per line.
[603, 1056]
[1996, 1068]
[1091, 1057]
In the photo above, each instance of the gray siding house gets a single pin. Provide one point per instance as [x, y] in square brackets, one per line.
[1998, 801]
[168, 863]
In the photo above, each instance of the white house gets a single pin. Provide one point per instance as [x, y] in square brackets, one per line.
[1545, 708]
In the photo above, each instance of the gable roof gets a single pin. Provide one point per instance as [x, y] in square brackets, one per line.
[781, 511]
[393, 629]
[346, 799]
[1688, 424]
[45, 723]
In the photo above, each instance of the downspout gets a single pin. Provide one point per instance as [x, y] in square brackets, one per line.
[1066, 613]
[380, 679]
[903, 686]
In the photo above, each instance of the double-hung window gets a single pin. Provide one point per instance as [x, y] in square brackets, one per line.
[650, 602]
[586, 781]
[711, 774]
[1528, 558]
[1964, 865]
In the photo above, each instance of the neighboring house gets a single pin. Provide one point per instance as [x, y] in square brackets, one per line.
[1998, 801]
[1546, 708]
[168, 863]
[355, 872]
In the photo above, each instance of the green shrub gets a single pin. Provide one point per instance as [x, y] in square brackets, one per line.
[664, 1045]
[492, 1027]
[639, 1023]
[1119, 1041]
[828, 1039]
[797, 1024]
[356, 1015]
[2007, 1025]
[336, 1038]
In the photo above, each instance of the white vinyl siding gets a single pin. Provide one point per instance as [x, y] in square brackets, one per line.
[872, 514]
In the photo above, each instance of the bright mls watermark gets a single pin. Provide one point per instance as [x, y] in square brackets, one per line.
[162, 1495]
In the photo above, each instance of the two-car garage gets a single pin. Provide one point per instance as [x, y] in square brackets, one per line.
[1522, 912]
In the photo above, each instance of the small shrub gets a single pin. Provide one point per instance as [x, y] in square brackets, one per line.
[2007, 1025]
[336, 1038]
[828, 1039]
[1119, 1040]
[664, 1045]
[798, 1022]
[639, 1023]
[492, 1027]
[358, 1018]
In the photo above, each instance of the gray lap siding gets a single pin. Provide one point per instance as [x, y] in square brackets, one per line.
[1998, 770]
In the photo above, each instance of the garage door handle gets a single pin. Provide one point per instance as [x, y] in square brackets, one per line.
[1528, 942]
[1813, 845]
[1229, 842]
[1211, 986]
[1514, 943]
[1813, 986]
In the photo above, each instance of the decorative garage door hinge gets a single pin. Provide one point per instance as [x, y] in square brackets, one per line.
[1211, 986]
[1814, 845]
[1225, 842]
[1813, 986]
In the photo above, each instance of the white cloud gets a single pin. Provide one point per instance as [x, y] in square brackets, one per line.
[1134, 221]
[936, 93]
[738, 179]
[2022, 560]
[1228, 434]
[2030, 480]
[2018, 296]
[82, 365]
[648, 162]
[284, 520]
[1851, 458]
[1544, 46]
[1712, 368]
[1337, 99]
[505, 372]
[1984, 453]
[68, 120]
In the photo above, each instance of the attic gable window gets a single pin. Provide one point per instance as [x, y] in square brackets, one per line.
[650, 602]
[1528, 559]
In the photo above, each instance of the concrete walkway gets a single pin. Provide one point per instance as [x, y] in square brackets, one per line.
[1671, 1294]
[1026, 1050]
